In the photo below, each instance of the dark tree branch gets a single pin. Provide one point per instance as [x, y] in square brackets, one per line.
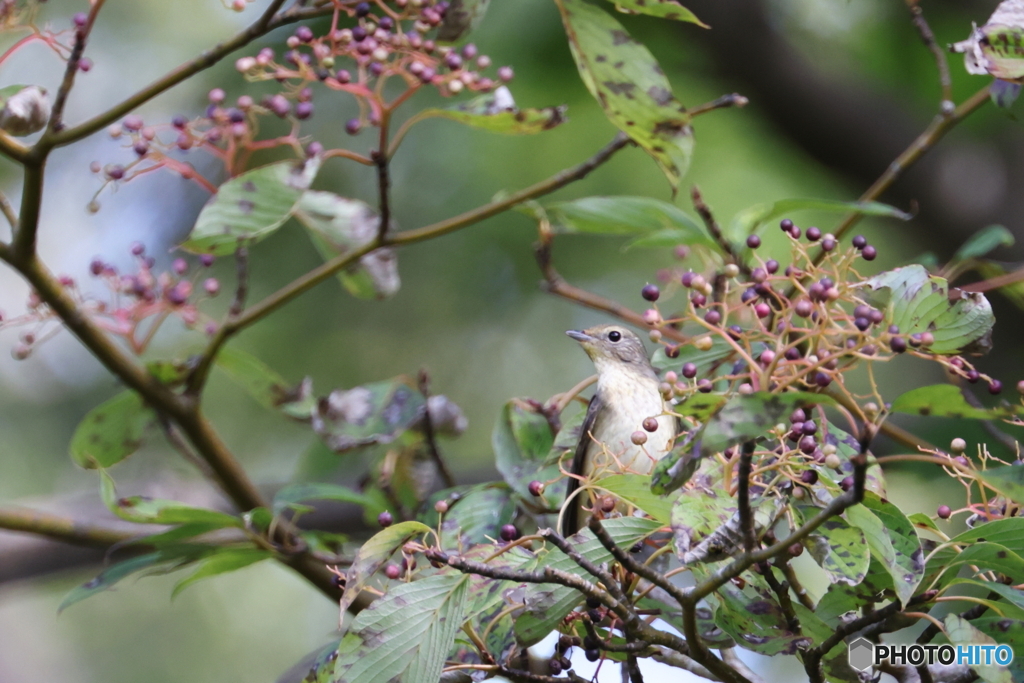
[743, 497]
[430, 436]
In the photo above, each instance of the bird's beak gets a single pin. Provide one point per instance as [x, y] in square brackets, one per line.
[581, 337]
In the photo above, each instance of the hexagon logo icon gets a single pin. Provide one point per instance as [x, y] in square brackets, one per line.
[862, 654]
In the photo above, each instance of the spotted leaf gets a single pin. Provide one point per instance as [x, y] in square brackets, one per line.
[110, 432]
[893, 541]
[497, 112]
[663, 9]
[251, 206]
[840, 549]
[632, 89]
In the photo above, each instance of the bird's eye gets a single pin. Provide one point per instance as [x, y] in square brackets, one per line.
[614, 336]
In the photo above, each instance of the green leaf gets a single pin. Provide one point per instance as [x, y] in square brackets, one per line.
[840, 550]
[474, 514]
[982, 242]
[635, 489]
[752, 219]
[372, 413]
[893, 541]
[961, 632]
[295, 494]
[663, 9]
[698, 513]
[176, 534]
[1008, 480]
[406, 634]
[625, 79]
[145, 510]
[841, 598]
[265, 386]
[251, 206]
[624, 215]
[496, 112]
[108, 577]
[985, 555]
[461, 19]
[110, 432]
[547, 604]
[522, 441]
[1012, 604]
[943, 400]
[755, 622]
[374, 553]
[1008, 532]
[167, 558]
[222, 561]
[338, 226]
[961, 322]
[920, 519]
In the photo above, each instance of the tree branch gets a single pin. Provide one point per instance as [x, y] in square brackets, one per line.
[60, 528]
[263, 25]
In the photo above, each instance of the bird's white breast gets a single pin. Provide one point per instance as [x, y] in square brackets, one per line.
[629, 398]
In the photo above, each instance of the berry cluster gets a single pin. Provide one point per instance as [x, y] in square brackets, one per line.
[139, 303]
[795, 327]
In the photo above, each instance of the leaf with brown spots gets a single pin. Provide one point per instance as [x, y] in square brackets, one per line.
[261, 382]
[110, 432]
[251, 206]
[663, 9]
[632, 89]
[497, 112]
[840, 550]
[372, 413]
[893, 541]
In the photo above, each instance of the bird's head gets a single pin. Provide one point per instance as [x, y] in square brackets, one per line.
[613, 346]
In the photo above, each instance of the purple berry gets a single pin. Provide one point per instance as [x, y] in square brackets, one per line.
[304, 33]
[772, 266]
[813, 234]
[689, 370]
[392, 571]
[869, 253]
[898, 344]
[762, 310]
[687, 278]
[713, 317]
[803, 308]
[808, 444]
[944, 512]
[206, 259]
[705, 386]
[180, 266]
[505, 73]
[862, 324]
[362, 9]
[536, 488]
[303, 110]
[753, 241]
[786, 225]
[352, 126]
[829, 243]
[822, 379]
[860, 241]
[509, 532]
[80, 19]
[846, 484]
[809, 477]
[385, 519]
[650, 292]
[973, 376]
[994, 386]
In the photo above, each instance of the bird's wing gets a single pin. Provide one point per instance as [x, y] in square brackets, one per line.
[570, 516]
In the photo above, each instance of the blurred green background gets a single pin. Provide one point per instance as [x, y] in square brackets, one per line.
[837, 89]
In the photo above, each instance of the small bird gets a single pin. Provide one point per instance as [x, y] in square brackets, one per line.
[627, 395]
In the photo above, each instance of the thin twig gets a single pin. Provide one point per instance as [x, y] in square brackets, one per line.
[242, 288]
[633, 667]
[781, 591]
[555, 284]
[938, 128]
[731, 100]
[946, 106]
[8, 210]
[715, 230]
[381, 159]
[61, 98]
[638, 568]
[743, 497]
[428, 433]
